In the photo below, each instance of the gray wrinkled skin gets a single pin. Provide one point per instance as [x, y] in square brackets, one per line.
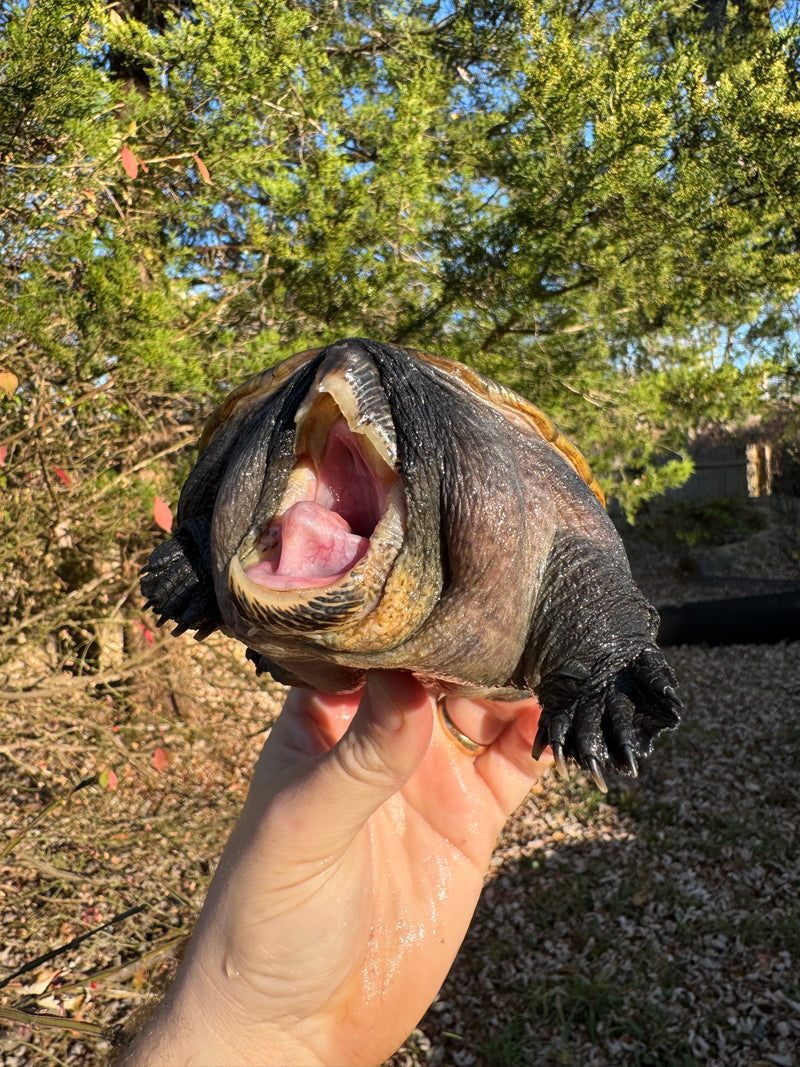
[495, 571]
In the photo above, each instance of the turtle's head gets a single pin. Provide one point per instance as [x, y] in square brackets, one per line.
[309, 533]
[313, 554]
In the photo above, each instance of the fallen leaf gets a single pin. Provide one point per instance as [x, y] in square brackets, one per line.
[62, 535]
[63, 476]
[49, 1003]
[41, 981]
[72, 1002]
[107, 779]
[8, 383]
[3, 454]
[160, 759]
[203, 170]
[162, 513]
[129, 162]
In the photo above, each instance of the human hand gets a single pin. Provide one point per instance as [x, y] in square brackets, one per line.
[349, 881]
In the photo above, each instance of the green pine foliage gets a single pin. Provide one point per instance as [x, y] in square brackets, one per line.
[594, 203]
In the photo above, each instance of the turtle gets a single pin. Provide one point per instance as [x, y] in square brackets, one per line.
[363, 505]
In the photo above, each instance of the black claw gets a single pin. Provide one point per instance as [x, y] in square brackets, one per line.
[593, 766]
[672, 696]
[540, 743]
[629, 761]
[561, 763]
[589, 738]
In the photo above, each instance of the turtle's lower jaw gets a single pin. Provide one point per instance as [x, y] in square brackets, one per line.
[328, 514]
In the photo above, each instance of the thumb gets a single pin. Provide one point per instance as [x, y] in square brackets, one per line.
[382, 747]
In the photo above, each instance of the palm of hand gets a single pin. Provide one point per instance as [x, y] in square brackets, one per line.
[344, 930]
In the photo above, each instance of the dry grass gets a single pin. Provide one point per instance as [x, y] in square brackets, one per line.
[660, 925]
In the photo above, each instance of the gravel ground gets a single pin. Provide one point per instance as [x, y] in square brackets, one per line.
[659, 925]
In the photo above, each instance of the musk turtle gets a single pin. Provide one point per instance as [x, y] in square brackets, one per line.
[363, 505]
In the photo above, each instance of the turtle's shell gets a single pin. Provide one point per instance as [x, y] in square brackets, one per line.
[363, 505]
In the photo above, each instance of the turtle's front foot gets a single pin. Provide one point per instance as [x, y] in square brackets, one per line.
[601, 721]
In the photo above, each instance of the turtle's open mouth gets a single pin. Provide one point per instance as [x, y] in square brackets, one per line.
[343, 502]
[328, 514]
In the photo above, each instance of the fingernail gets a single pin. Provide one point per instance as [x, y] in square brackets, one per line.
[386, 709]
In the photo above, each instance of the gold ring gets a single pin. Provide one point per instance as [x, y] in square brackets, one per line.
[466, 744]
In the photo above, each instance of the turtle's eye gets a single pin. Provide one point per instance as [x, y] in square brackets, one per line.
[332, 504]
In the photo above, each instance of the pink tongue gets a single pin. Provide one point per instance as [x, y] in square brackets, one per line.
[314, 544]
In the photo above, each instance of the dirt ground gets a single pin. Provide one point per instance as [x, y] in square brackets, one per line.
[659, 924]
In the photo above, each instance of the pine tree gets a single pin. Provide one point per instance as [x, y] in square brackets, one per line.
[595, 203]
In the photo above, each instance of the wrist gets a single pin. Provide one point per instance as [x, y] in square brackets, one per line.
[193, 1027]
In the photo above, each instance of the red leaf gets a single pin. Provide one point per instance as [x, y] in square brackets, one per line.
[160, 759]
[3, 454]
[64, 477]
[129, 162]
[162, 513]
[148, 636]
[203, 170]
